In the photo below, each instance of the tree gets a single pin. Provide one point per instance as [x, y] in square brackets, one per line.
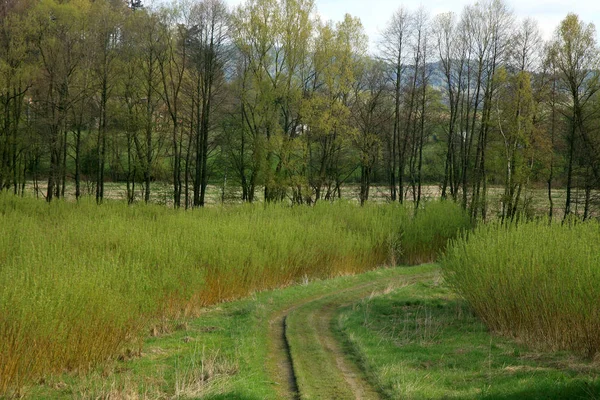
[58, 42]
[16, 73]
[394, 45]
[485, 29]
[208, 38]
[255, 33]
[514, 112]
[141, 36]
[272, 39]
[371, 113]
[326, 110]
[451, 52]
[172, 57]
[575, 53]
[418, 104]
[104, 45]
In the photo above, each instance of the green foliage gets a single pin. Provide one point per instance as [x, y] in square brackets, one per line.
[535, 281]
[425, 235]
[81, 283]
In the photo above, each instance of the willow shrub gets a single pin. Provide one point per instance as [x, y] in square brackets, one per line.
[534, 281]
[81, 283]
[424, 236]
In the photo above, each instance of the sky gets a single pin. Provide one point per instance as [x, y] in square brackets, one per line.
[375, 14]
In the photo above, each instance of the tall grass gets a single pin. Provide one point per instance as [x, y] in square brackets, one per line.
[424, 236]
[80, 284]
[535, 281]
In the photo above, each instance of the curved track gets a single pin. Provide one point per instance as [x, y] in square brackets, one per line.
[307, 361]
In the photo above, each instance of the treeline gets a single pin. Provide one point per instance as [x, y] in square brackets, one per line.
[277, 101]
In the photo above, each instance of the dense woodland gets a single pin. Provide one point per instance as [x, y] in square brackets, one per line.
[283, 106]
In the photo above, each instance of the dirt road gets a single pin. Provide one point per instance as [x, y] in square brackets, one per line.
[307, 360]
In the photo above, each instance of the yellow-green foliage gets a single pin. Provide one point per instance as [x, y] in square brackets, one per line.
[425, 235]
[534, 281]
[81, 283]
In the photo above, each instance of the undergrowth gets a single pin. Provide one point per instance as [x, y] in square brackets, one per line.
[533, 281]
[81, 283]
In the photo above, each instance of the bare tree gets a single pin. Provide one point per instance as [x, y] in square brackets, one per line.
[394, 50]
[209, 37]
[451, 51]
[172, 64]
[487, 26]
[418, 102]
[104, 49]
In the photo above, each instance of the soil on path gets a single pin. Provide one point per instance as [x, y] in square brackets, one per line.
[306, 360]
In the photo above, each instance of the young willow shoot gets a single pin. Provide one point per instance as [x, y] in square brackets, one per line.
[80, 284]
[535, 281]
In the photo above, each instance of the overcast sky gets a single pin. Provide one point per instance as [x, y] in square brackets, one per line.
[374, 14]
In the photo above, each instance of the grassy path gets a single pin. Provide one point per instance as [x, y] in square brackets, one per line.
[402, 326]
[244, 349]
[307, 360]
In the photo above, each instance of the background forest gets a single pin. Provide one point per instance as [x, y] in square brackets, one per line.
[268, 102]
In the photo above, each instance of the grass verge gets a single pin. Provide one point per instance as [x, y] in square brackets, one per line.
[223, 354]
[422, 342]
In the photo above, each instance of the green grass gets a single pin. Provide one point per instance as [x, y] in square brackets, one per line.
[320, 365]
[81, 284]
[416, 342]
[429, 230]
[220, 355]
[422, 342]
[534, 281]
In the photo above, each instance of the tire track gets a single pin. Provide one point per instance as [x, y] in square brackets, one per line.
[351, 373]
[291, 333]
[279, 363]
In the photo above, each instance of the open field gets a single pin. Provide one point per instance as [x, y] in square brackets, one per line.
[534, 200]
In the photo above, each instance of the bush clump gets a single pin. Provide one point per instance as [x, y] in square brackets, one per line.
[534, 281]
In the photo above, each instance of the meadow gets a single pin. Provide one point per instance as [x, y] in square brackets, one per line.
[82, 284]
[86, 287]
[410, 335]
[422, 341]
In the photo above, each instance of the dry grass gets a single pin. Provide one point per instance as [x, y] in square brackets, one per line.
[205, 373]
